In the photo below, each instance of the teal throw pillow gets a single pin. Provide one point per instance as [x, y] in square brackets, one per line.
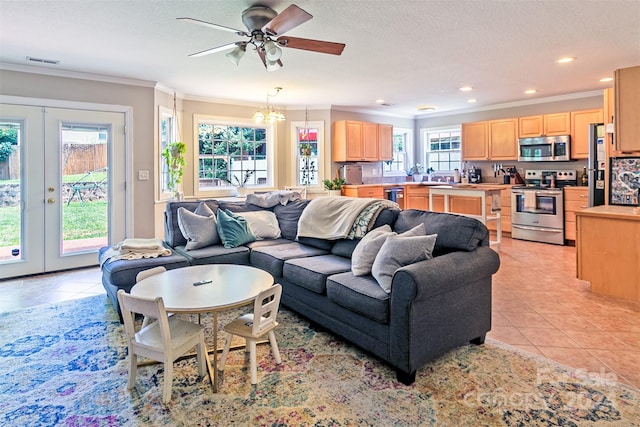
[233, 229]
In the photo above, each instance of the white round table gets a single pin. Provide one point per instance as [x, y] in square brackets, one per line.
[231, 286]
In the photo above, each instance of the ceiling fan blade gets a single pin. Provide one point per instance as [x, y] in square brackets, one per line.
[289, 18]
[312, 45]
[215, 49]
[215, 26]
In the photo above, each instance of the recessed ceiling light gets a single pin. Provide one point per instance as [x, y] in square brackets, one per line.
[606, 79]
[425, 108]
[472, 100]
[566, 59]
[530, 91]
[466, 88]
[379, 101]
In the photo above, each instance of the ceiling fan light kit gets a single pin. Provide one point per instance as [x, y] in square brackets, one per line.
[264, 26]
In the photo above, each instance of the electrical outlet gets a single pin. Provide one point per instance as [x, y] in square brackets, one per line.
[143, 175]
[521, 171]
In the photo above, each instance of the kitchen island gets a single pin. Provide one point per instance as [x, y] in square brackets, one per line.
[483, 192]
[608, 250]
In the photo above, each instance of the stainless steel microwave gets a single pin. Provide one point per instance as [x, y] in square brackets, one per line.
[545, 149]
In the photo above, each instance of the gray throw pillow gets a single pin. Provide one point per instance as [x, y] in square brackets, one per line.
[199, 230]
[399, 251]
[365, 252]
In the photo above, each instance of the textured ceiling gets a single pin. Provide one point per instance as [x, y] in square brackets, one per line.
[406, 52]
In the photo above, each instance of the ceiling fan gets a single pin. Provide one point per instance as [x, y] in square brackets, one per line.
[265, 28]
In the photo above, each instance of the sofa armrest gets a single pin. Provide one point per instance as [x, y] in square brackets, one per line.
[442, 274]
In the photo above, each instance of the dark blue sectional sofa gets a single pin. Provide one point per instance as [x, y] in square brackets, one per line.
[434, 305]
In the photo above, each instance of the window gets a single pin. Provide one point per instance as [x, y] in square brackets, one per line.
[168, 133]
[442, 149]
[308, 138]
[402, 142]
[232, 154]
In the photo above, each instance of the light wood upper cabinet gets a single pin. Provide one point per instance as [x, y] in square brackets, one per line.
[355, 141]
[627, 110]
[385, 142]
[347, 141]
[580, 121]
[369, 141]
[475, 141]
[503, 139]
[544, 125]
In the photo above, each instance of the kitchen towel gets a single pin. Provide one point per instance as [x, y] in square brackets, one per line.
[530, 200]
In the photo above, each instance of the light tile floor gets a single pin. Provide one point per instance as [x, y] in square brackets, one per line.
[538, 305]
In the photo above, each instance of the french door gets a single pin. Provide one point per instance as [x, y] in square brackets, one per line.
[62, 187]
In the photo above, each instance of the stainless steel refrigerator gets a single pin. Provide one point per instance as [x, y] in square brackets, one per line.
[596, 164]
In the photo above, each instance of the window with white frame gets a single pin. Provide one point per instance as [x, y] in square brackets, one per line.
[233, 153]
[402, 143]
[442, 148]
[308, 140]
[168, 134]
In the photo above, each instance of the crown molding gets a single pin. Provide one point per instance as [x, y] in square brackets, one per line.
[75, 75]
[547, 100]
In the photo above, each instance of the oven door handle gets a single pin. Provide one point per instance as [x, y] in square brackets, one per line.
[550, 230]
[538, 192]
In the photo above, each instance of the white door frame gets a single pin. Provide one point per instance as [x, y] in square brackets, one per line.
[74, 105]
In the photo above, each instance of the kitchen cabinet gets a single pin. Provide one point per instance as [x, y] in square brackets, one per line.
[575, 199]
[364, 191]
[355, 141]
[580, 121]
[503, 139]
[417, 197]
[475, 141]
[627, 110]
[544, 125]
[490, 140]
[607, 250]
[385, 142]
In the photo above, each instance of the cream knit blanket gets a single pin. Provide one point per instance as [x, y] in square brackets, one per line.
[135, 248]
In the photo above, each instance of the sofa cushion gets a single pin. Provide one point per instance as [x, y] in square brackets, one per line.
[263, 224]
[455, 232]
[312, 272]
[271, 258]
[172, 234]
[398, 251]
[316, 243]
[362, 295]
[233, 229]
[199, 227]
[288, 216]
[216, 254]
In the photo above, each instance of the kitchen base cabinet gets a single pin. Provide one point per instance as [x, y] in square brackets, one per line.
[371, 191]
[608, 238]
[417, 197]
[575, 199]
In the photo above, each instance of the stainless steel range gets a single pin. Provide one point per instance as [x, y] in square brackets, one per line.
[537, 208]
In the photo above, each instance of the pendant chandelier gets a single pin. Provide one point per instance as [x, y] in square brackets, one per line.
[269, 115]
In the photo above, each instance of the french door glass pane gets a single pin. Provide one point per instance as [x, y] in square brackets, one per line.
[10, 191]
[85, 187]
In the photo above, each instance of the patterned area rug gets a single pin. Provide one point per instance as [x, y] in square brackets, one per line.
[64, 365]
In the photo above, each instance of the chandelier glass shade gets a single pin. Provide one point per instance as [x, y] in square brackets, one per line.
[269, 115]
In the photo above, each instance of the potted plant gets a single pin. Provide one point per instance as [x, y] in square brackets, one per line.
[416, 172]
[334, 186]
[173, 154]
[241, 185]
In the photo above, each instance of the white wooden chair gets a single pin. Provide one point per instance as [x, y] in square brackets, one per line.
[265, 309]
[163, 340]
[143, 275]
